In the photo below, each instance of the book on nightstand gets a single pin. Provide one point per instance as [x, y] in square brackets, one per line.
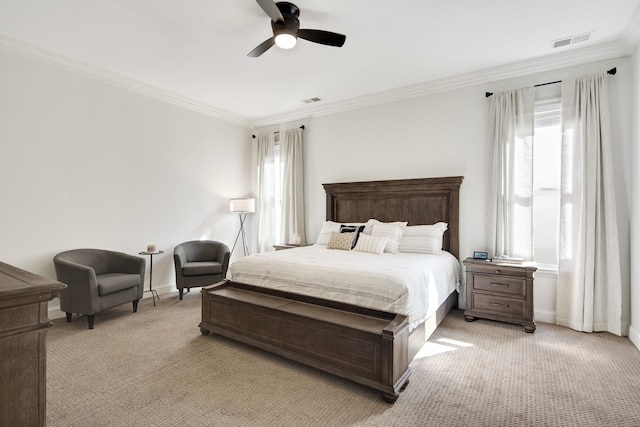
[507, 259]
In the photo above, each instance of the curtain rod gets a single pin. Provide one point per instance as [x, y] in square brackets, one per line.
[612, 71]
[254, 137]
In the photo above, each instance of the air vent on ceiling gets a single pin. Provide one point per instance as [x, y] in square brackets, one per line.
[311, 100]
[571, 40]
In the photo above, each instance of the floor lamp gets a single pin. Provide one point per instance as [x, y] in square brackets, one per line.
[242, 207]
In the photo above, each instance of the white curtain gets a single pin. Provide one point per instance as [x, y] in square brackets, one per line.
[293, 227]
[268, 169]
[510, 217]
[589, 296]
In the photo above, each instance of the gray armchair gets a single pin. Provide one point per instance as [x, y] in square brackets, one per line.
[200, 263]
[98, 279]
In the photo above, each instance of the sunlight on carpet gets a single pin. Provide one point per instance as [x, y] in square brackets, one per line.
[442, 345]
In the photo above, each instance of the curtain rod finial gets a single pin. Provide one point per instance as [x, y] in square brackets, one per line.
[488, 94]
[612, 71]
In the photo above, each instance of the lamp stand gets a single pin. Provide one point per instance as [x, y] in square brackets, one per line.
[245, 247]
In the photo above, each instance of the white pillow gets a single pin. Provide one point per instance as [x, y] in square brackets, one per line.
[392, 232]
[368, 226]
[371, 244]
[423, 239]
[325, 232]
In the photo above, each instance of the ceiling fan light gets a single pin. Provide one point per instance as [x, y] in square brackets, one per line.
[285, 40]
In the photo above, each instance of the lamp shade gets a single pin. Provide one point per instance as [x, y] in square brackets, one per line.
[242, 205]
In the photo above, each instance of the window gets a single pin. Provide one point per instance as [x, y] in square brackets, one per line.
[280, 188]
[547, 151]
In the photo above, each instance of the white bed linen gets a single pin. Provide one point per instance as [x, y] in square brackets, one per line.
[405, 283]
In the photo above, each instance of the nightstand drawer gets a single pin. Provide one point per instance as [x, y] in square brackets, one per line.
[497, 269]
[499, 306]
[502, 284]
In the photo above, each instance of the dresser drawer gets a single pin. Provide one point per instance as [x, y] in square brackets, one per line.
[500, 284]
[499, 306]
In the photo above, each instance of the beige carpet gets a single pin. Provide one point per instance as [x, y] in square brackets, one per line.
[154, 368]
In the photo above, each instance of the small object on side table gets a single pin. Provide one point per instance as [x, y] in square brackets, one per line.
[500, 291]
[480, 255]
[154, 293]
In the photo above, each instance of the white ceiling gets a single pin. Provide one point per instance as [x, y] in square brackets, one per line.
[194, 52]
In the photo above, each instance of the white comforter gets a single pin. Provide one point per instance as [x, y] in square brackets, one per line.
[405, 283]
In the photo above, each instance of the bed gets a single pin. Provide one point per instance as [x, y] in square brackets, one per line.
[366, 342]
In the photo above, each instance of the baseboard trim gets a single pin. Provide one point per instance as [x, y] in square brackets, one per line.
[545, 316]
[634, 336]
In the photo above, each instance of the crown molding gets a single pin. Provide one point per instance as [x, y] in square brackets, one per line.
[29, 51]
[630, 37]
[600, 52]
[624, 47]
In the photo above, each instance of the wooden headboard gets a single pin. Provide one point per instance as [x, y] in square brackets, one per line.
[418, 201]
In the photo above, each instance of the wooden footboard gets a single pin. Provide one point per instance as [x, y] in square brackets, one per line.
[367, 346]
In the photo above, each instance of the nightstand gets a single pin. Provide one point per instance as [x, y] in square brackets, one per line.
[500, 291]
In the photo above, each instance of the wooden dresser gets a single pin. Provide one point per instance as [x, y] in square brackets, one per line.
[500, 291]
[24, 299]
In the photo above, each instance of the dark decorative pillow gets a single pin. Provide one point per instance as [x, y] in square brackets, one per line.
[356, 229]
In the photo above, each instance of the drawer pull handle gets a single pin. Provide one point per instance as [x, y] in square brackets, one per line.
[497, 304]
[497, 271]
[502, 285]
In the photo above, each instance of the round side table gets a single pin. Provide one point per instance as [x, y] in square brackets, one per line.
[154, 293]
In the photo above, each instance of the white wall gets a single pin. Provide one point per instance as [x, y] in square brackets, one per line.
[88, 164]
[443, 134]
[634, 330]
[446, 134]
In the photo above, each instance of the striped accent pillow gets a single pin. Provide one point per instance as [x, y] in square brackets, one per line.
[371, 244]
[340, 241]
[393, 232]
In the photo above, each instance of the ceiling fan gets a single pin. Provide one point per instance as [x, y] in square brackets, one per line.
[286, 29]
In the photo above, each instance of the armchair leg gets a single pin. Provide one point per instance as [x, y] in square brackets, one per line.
[69, 315]
[180, 291]
[90, 319]
[135, 306]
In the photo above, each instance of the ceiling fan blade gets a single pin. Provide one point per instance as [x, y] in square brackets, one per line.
[271, 10]
[322, 37]
[262, 47]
